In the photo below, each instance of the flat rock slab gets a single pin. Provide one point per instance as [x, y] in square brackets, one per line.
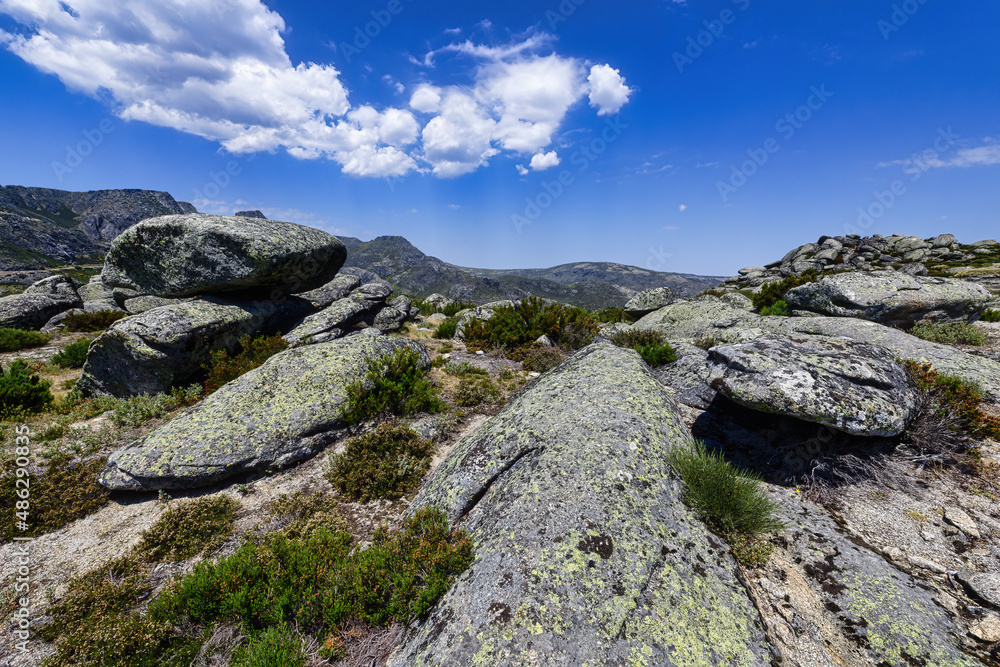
[985, 586]
[649, 300]
[39, 303]
[891, 298]
[703, 317]
[854, 387]
[194, 254]
[276, 415]
[584, 552]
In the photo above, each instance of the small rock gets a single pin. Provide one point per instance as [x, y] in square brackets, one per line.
[962, 521]
[533, 374]
[447, 355]
[544, 340]
[985, 586]
[987, 630]
[925, 564]
[480, 352]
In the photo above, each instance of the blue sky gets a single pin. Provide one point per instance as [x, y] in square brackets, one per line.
[681, 136]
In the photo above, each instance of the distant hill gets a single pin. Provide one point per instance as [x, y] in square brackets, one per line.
[40, 228]
[587, 284]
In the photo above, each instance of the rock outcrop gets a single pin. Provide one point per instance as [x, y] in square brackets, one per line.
[276, 415]
[39, 303]
[892, 298]
[585, 554]
[849, 385]
[649, 300]
[190, 255]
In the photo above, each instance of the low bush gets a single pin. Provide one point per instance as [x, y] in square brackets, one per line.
[394, 385]
[613, 315]
[779, 309]
[388, 462]
[191, 528]
[73, 355]
[991, 316]
[541, 358]
[650, 344]
[954, 395]
[446, 329]
[274, 647]
[464, 369]
[728, 499]
[253, 352]
[307, 512]
[12, 340]
[514, 330]
[66, 491]
[953, 333]
[456, 307]
[21, 391]
[473, 391]
[773, 292]
[92, 322]
[137, 410]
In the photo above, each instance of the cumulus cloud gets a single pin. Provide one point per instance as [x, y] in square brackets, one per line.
[541, 161]
[608, 92]
[521, 169]
[221, 71]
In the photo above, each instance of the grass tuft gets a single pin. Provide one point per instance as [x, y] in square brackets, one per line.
[388, 462]
[952, 333]
[191, 528]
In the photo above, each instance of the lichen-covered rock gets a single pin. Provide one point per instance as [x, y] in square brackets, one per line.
[585, 554]
[649, 300]
[195, 254]
[165, 347]
[338, 318]
[705, 316]
[482, 313]
[336, 289]
[737, 300]
[39, 303]
[852, 386]
[944, 358]
[276, 415]
[891, 298]
[141, 304]
[389, 319]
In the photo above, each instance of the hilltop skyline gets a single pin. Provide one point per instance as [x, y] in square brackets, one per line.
[672, 136]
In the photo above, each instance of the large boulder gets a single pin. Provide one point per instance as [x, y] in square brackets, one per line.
[892, 298]
[336, 289]
[649, 300]
[849, 385]
[156, 350]
[39, 303]
[585, 554]
[194, 254]
[276, 415]
[360, 307]
[703, 317]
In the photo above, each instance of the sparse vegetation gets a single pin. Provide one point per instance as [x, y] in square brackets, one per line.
[21, 391]
[651, 345]
[541, 358]
[446, 329]
[991, 316]
[388, 462]
[73, 355]
[773, 292]
[613, 315]
[728, 499]
[953, 333]
[779, 309]
[13, 340]
[222, 368]
[137, 410]
[954, 395]
[474, 391]
[514, 330]
[189, 528]
[274, 647]
[395, 385]
[92, 322]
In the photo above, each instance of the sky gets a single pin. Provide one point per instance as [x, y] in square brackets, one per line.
[689, 136]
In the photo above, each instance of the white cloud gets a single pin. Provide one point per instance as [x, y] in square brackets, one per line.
[521, 169]
[682, 207]
[608, 92]
[542, 161]
[979, 156]
[220, 71]
[454, 207]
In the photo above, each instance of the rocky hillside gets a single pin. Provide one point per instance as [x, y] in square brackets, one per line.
[707, 486]
[591, 285]
[40, 227]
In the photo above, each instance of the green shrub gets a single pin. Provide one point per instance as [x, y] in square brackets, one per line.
[307, 512]
[67, 491]
[772, 292]
[394, 384]
[779, 308]
[447, 328]
[137, 410]
[473, 391]
[274, 647]
[514, 330]
[613, 315]
[728, 499]
[12, 340]
[991, 316]
[191, 528]
[463, 369]
[955, 395]
[541, 358]
[73, 355]
[456, 307]
[387, 462]
[21, 391]
[91, 322]
[222, 368]
[954, 333]
[651, 345]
